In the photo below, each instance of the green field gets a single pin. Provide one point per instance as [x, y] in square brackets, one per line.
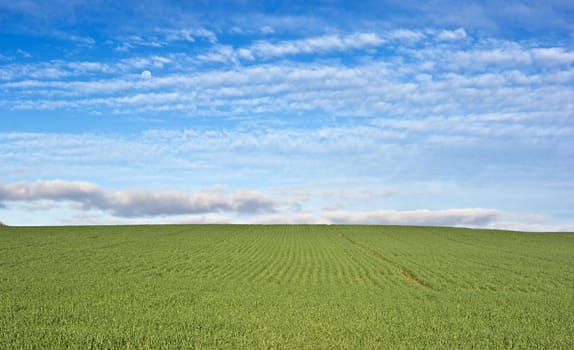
[284, 287]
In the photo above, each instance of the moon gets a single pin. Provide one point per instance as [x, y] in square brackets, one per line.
[146, 74]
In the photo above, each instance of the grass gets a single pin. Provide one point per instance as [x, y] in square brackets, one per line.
[284, 287]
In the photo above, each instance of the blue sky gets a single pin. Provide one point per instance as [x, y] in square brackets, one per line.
[376, 112]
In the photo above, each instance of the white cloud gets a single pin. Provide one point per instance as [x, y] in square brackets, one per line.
[203, 219]
[320, 44]
[457, 34]
[81, 40]
[531, 226]
[162, 37]
[213, 205]
[288, 218]
[137, 202]
[558, 55]
[404, 35]
[251, 201]
[266, 49]
[48, 73]
[435, 80]
[221, 54]
[54, 190]
[522, 78]
[189, 35]
[132, 41]
[462, 217]
[245, 54]
[448, 217]
[267, 30]
[23, 53]
[478, 59]
[359, 193]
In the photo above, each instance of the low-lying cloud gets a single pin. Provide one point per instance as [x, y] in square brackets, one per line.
[138, 202]
[448, 217]
[215, 205]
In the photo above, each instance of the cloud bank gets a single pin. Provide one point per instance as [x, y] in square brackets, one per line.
[137, 202]
[214, 205]
[449, 217]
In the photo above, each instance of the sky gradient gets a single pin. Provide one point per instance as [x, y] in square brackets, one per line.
[374, 112]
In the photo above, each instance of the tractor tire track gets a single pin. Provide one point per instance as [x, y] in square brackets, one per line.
[405, 272]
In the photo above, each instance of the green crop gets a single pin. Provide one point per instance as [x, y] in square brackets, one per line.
[284, 287]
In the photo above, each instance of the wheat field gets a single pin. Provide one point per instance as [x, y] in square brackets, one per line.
[284, 287]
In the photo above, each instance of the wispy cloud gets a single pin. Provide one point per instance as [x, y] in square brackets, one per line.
[189, 35]
[457, 34]
[61, 74]
[404, 35]
[162, 37]
[319, 44]
[479, 76]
